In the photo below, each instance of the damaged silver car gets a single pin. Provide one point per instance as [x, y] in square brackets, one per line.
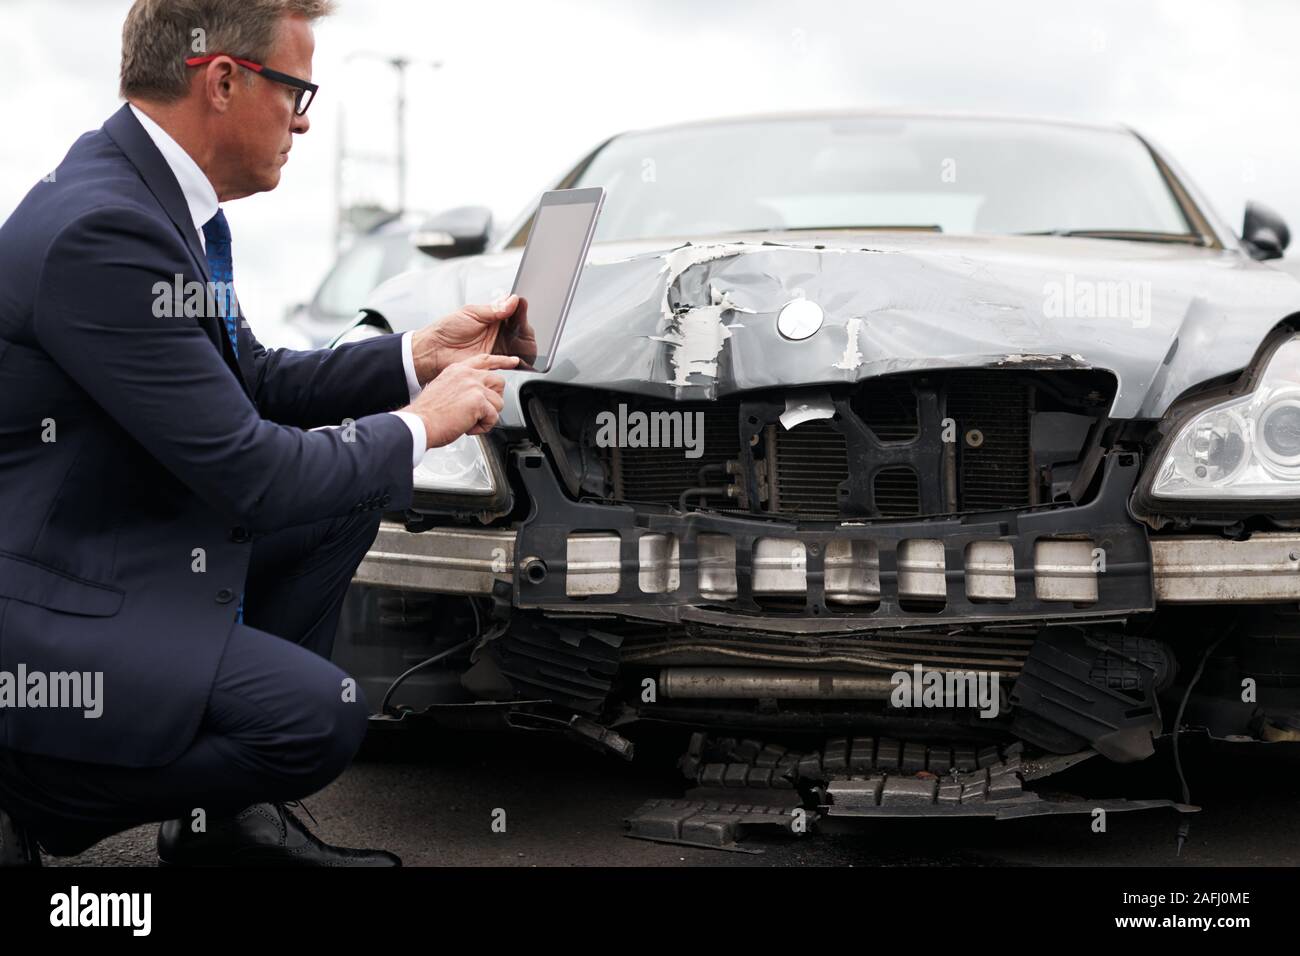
[903, 459]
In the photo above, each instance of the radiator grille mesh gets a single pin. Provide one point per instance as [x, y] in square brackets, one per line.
[811, 461]
[993, 464]
[660, 475]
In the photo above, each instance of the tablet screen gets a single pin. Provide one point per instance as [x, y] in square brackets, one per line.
[550, 267]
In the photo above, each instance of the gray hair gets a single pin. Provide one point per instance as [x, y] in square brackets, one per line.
[158, 35]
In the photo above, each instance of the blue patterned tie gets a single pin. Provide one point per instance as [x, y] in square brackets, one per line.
[216, 233]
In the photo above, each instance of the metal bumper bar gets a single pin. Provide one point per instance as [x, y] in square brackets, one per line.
[1190, 569]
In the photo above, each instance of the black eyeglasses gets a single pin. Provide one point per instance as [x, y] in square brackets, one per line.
[304, 92]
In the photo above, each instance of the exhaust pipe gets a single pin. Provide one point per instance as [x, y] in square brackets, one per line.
[755, 682]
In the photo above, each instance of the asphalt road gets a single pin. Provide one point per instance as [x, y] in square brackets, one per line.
[431, 798]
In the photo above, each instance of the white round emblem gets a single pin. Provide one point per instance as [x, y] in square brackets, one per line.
[799, 319]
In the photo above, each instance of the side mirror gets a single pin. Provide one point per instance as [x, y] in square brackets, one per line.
[462, 231]
[1263, 232]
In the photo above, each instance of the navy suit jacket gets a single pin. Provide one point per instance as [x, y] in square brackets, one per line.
[138, 455]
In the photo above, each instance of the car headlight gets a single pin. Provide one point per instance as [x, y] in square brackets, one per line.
[463, 477]
[1244, 448]
[459, 468]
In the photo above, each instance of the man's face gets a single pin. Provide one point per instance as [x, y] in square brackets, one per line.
[259, 126]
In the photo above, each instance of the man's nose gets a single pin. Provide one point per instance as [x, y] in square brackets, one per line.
[300, 124]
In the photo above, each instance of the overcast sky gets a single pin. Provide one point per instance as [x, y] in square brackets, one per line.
[527, 86]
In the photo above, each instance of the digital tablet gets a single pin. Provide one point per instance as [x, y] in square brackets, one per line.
[549, 271]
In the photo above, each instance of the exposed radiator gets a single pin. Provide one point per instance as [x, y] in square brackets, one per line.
[888, 408]
[898, 492]
[808, 471]
[993, 458]
[811, 461]
[660, 475]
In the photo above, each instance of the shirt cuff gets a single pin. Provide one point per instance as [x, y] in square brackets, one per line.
[408, 363]
[419, 437]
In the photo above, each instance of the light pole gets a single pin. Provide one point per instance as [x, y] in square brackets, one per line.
[400, 64]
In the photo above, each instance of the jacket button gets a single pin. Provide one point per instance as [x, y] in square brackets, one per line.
[225, 596]
[239, 535]
[384, 500]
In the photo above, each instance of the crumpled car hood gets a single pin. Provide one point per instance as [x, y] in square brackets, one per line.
[697, 320]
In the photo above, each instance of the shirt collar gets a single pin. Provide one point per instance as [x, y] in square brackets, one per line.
[200, 197]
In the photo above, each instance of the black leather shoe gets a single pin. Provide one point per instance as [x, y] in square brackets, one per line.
[265, 834]
[17, 845]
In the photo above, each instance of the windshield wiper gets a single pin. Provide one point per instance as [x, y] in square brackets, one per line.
[1131, 235]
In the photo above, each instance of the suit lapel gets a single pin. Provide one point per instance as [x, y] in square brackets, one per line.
[125, 130]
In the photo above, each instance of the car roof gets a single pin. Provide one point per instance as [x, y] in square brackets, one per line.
[777, 117]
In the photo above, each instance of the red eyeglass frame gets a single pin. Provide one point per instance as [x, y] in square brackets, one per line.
[306, 91]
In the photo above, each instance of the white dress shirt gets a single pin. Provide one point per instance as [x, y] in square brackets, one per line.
[202, 201]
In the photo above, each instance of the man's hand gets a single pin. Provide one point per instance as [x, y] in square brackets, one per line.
[464, 400]
[498, 329]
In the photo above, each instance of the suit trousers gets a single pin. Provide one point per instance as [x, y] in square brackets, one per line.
[281, 721]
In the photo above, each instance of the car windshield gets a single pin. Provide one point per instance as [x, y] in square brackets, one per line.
[950, 174]
[370, 261]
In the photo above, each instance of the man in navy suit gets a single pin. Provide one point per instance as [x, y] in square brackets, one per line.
[181, 509]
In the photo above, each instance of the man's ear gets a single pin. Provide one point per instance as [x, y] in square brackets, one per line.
[217, 81]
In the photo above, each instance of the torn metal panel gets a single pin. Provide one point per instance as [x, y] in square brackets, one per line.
[1074, 360]
[1075, 689]
[696, 336]
[743, 780]
[1044, 766]
[1023, 804]
[710, 824]
[807, 408]
[852, 357]
[599, 737]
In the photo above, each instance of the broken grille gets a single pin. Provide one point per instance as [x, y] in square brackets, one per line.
[935, 568]
[897, 447]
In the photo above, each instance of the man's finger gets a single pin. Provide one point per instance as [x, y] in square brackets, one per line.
[496, 311]
[498, 401]
[488, 360]
[495, 383]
